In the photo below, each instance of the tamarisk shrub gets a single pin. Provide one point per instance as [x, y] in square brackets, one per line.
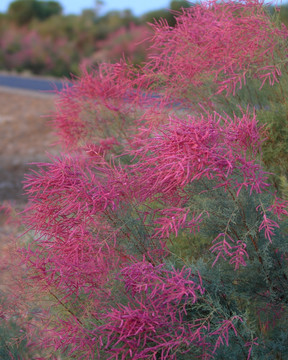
[162, 162]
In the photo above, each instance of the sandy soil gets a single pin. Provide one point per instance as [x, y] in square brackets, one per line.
[25, 137]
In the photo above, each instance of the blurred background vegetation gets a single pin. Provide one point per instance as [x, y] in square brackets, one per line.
[36, 36]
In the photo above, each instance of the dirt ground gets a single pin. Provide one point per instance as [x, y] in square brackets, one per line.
[25, 137]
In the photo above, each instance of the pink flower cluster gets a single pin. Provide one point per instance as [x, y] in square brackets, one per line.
[218, 41]
[101, 217]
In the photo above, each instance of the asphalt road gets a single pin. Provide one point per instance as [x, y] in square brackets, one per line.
[31, 84]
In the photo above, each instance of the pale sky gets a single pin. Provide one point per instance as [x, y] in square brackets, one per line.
[138, 7]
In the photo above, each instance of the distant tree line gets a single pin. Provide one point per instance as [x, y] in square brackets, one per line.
[23, 11]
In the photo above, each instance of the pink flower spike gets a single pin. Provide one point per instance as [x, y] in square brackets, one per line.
[223, 332]
[279, 208]
[268, 225]
[222, 248]
[250, 344]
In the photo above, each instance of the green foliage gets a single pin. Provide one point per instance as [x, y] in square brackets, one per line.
[177, 5]
[13, 342]
[169, 15]
[156, 15]
[24, 11]
[46, 9]
[284, 14]
[275, 148]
